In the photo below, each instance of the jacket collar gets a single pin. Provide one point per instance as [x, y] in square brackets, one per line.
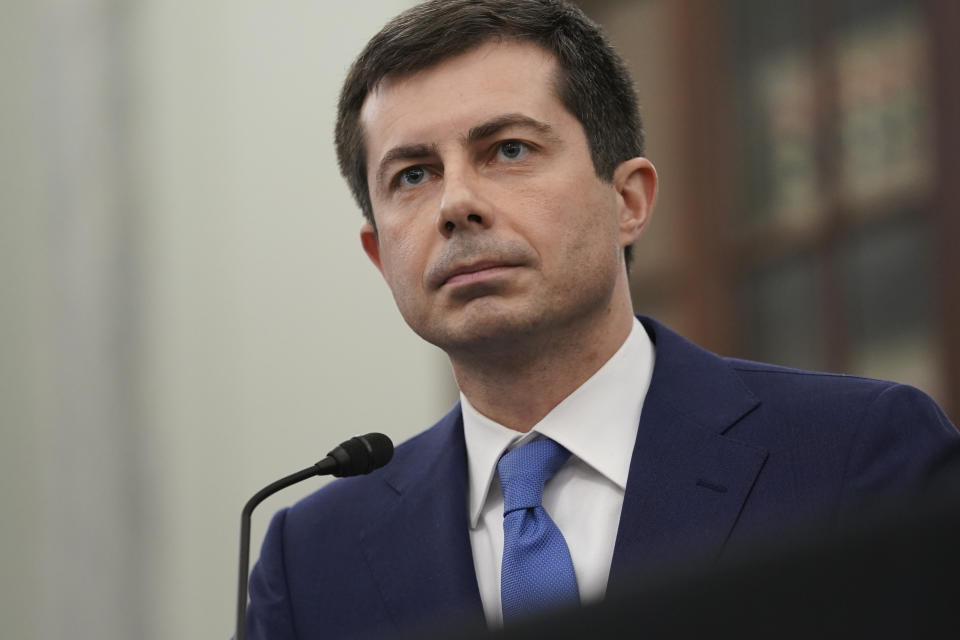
[688, 481]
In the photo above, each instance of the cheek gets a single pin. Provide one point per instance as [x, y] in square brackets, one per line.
[575, 222]
[400, 257]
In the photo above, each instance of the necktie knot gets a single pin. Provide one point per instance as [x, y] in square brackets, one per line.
[524, 471]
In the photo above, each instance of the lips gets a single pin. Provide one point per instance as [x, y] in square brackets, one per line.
[465, 272]
[475, 271]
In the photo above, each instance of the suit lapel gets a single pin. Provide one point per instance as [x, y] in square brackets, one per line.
[418, 548]
[688, 481]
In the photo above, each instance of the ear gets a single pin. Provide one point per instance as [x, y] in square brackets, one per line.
[371, 243]
[635, 181]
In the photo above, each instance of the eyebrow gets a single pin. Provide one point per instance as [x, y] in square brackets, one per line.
[495, 125]
[485, 130]
[403, 152]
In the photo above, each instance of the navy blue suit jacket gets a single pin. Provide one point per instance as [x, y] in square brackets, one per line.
[728, 452]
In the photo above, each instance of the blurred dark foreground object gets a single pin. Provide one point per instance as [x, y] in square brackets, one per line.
[895, 574]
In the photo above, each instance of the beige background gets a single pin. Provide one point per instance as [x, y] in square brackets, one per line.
[186, 312]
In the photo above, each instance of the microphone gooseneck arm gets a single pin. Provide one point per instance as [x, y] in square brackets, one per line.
[356, 456]
[245, 517]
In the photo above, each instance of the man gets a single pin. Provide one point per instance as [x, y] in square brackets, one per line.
[495, 149]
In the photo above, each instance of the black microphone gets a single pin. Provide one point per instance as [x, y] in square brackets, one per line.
[356, 456]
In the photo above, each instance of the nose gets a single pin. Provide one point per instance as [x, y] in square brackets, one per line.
[462, 207]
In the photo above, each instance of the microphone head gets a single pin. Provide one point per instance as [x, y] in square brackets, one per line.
[362, 454]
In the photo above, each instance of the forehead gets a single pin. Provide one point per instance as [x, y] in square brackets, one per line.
[445, 100]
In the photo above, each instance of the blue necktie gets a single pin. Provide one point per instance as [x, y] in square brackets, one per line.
[537, 571]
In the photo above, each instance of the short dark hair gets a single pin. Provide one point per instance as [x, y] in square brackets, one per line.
[593, 83]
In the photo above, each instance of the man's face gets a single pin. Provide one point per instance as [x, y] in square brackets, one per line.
[491, 221]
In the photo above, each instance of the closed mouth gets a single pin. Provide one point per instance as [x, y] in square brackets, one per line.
[475, 271]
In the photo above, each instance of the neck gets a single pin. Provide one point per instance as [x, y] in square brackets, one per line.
[516, 385]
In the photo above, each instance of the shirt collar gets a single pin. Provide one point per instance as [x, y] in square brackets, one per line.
[597, 423]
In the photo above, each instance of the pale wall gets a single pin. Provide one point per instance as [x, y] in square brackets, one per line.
[187, 314]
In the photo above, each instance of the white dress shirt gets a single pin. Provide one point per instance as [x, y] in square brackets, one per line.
[598, 424]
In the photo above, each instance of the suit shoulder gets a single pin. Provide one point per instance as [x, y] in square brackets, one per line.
[832, 398]
[835, 399]
[768, 377]
[796, 375]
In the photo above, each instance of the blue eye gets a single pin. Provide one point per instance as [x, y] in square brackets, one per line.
[413, 175]
[513, 149]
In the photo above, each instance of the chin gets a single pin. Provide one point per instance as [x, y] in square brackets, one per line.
[482, 329]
